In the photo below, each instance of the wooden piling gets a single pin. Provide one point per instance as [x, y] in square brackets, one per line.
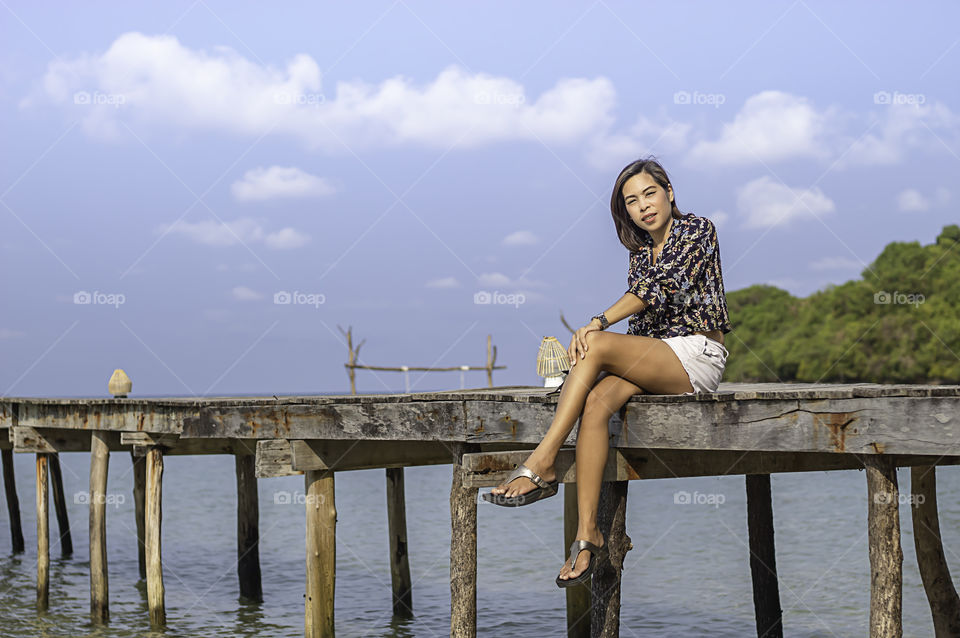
[43, 534]
[578, 596]
[139, 491]
[248, 528]
[763, 560]
[941, 594]
[886, 555]
[463, 556]
[397, 529]
[60, 505]
[13, 503]
[321, 553]
[612, 521]
[152, 519]
[99, 590]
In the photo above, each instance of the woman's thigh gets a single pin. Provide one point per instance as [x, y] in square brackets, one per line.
[644, 361]
[609, 394]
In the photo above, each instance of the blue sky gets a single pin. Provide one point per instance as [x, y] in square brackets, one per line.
[184, 167]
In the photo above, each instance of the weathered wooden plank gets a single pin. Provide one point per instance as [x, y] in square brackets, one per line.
[605, 583]
[321, 553]
[248, 528]
[139, 509]
[152, 523]
[13, 502]
[763, 557]
[401, 585]
[463, 556]
[48, 440]
[356, 455]
[274, 458]
[168, 439]
[60, 505]
[43, 534]
[486, 469]
[116, 414]
[406, 420]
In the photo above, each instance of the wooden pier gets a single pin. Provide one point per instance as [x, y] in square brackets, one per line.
[742, 429]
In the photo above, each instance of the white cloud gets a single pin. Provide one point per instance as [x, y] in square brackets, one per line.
[245, 230]
[899, 128]
[242, 293]
[445, 282]
[719, 217]
[286, 238]
[771, 126]
[612, 151]
[836, 263]
[157, 80]
[521, 238]
[911, 200]
[260, 184]
[764, 202]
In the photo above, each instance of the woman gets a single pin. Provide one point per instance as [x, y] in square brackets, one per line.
[673, 345]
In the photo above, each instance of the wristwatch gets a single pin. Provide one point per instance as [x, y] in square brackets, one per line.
[604, 324]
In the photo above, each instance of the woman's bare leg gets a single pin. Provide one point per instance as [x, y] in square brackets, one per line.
[593, 443]
[645, 361]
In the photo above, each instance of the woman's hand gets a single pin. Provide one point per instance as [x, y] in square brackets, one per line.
[578, 343]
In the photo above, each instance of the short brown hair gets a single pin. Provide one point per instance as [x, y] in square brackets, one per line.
[628, 232]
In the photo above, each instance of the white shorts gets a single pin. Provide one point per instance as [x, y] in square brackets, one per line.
[703, 358]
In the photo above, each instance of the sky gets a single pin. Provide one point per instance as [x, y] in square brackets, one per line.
[207, 194]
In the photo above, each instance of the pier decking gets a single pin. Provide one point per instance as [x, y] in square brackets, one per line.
[748, 429]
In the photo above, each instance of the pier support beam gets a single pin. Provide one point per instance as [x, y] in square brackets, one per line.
[399, 559]
[886, 555]
[612, 521]
[99, 590]
[321, 552]
[941, 594]
[463, 555]
[43, 533]
[248, 528]
[13, 503]
[139, 494]
[152, 519]
[60, 505]
[578, 596]
[763, 557]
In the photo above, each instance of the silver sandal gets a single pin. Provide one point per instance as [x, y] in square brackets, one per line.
[596, 554]
[544, 489]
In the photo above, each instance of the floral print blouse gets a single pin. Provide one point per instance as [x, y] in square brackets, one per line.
[684, 288]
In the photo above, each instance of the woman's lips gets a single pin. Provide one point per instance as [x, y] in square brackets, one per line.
[649, 218]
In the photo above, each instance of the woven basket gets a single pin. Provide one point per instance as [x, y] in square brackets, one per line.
[552, 360]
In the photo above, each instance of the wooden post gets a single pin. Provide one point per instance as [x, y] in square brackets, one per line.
[60, 506]
[43, 534]
[321, 552]
[248, 528]
[612, 521]
[578, 596]
[463, 555]
[152, 519]
[13, 503]
[99, 590]
[886, 555]
[397, 528]
[139, 492]
[763, 560]
[941, 594]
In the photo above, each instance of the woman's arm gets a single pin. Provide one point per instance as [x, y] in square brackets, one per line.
[628, 304]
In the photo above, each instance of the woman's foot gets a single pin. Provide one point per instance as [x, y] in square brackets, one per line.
[522, 484]
[583, 559]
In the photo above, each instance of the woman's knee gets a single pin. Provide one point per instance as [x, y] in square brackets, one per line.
[598, 406]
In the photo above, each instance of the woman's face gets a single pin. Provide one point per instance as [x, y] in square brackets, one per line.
[648, 204]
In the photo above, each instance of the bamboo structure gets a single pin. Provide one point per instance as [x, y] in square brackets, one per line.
[751, 430]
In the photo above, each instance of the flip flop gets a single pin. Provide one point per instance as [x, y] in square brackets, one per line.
[596, 553]
[544, 489]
